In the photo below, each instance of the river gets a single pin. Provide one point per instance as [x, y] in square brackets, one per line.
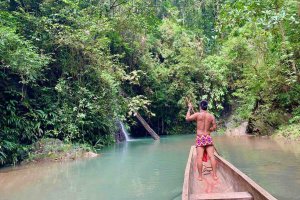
[147, 169]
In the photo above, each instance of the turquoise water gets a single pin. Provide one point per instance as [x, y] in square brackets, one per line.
[147, 169]
[273, 164]
[142, 169]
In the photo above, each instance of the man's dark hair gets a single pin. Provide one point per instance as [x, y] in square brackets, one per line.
[203, 104]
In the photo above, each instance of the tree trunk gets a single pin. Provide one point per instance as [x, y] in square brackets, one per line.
[147, 127]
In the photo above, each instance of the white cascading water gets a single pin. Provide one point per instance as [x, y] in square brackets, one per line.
[127, 138]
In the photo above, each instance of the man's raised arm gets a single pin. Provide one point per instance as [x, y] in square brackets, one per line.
[188, 116]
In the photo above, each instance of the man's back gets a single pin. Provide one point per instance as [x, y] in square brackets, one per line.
[205, 123]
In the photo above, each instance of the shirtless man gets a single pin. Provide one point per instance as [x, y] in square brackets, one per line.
[206, 123]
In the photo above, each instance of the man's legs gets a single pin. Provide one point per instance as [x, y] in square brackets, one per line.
[210, 152]
[200, 151]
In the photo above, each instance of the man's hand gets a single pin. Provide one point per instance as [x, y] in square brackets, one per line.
[188, 116]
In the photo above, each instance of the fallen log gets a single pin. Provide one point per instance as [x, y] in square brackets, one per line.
[147, 127]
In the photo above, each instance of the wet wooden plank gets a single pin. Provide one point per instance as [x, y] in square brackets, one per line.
[185, 189]
[228, 195]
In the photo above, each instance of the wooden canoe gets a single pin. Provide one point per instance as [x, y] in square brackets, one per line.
[231, 183]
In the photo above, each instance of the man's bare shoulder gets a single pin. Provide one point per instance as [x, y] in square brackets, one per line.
[211, 116]
[198, 114]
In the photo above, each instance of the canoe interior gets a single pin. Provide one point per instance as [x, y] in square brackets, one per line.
[231, 182]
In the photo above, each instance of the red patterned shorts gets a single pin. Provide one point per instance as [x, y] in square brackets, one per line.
[203, 140]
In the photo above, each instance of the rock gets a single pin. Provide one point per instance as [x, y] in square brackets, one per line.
[119, 135]
[90, 154]
[237, 131]
[50, 149]
[259, 127]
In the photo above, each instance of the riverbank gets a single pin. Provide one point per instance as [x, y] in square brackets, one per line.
[51, 150]
[289, 132]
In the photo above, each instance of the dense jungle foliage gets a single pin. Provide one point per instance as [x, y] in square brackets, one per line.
[69, 69]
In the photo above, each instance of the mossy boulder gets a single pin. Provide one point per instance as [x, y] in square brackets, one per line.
[50, 149]
[264, 122]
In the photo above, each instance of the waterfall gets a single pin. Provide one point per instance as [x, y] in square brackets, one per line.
[124, 131]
